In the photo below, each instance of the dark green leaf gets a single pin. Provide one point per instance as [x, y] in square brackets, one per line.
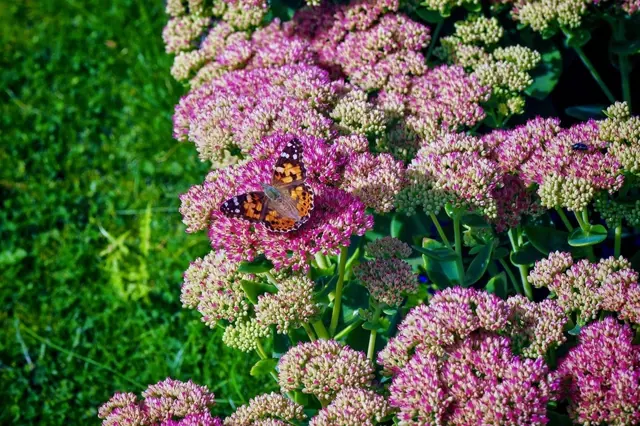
[301, 398]
[595, 235]
[527, 255]
[254, 289]
[575, 330]
[476, 249]
[473, 7]
[438, 253]
[546, 74]
[430, 16]
[474, 221]
[264, 366]
[381, 325]
[585, 112]
[498, 285]
[259, 265]
[546, 239]
[625, 47]
[577, 38]
[500, 252]
[478, 266]
[396, 225]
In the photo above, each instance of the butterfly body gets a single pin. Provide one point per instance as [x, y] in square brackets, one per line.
[284, 204]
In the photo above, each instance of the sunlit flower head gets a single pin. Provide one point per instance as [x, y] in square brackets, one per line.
[290, 307]
[601, 376]
[323, 368]
[267, 410]
[336, 217]
[353, 407]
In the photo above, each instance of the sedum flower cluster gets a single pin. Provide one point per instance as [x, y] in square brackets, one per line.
[452, 361]
[170, 403]
[585, 289]
[475, 46]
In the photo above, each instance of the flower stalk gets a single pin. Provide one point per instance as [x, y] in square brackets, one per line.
[337, 303]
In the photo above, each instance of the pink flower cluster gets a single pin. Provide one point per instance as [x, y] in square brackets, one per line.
[453, 361]
[459, 169]
[588, 288]
[323, 368]
[478, 382]
[337, 214]
[167, 403]
[601, 376]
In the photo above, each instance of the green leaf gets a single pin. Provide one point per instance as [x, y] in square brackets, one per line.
[478, 266]
[259, 265]
[546, 239]
[585, 112]
[500, 252]
[527, 255]
[547, 74]
[474, 221]
[301, 398]
[575, 331]
[431, 16]
[595, 235]
[625, 47]
[441, 253]
[473, 7]
[577, 38]
[263, 367]
[476, 249]
[498, 285]
[254, 289]
[396, 226]
[440, 263]
[381, 325]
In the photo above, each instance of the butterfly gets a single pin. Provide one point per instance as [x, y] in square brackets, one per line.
[284, 204]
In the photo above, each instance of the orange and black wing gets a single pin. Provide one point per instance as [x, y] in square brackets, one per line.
[299, 197]
[289, 168]
[250, 206]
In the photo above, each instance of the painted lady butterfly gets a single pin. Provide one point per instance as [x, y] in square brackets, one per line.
[285, 204]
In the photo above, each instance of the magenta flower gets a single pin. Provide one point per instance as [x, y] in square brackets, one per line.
[353, 407]
[336, 217]
[588, 288]
[452, 315]
[167, 403]
[479, 381]
[601, 376]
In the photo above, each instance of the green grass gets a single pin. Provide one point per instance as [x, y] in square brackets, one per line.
[91, 244]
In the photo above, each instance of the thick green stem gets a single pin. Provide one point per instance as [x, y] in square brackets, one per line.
[348, 329]
[337, 302]
[443, 236]
[524, 269]
[458, 243]
[320, 329]
[618, 30]
[564, 218]
[434, 38]
[617, 242]
[580, 218]
[371, 350]
[514, 280]
[625, 70]
[309, 331]
[594, 73]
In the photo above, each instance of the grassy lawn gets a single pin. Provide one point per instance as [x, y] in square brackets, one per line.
[91, 245]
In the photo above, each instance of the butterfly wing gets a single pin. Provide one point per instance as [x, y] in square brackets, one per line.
[250, 206]
[292, 210]
[289, 168]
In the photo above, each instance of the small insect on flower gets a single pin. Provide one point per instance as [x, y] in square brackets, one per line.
[284, 204]
[580, 146]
